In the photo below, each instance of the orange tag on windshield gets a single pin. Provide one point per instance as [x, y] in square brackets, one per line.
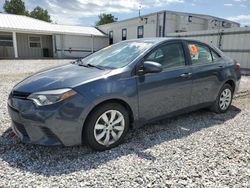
[193, 49]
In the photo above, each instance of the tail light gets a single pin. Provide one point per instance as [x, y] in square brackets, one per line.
[236, 66]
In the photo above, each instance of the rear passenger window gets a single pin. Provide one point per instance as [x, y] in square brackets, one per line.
[200, 54]
[169, 55]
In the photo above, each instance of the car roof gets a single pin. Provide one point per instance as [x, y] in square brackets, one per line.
[160, 39]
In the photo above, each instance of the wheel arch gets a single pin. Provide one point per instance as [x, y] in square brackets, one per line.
[114, 100]
[231, 83]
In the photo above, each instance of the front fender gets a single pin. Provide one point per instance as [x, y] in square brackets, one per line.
[111, 88]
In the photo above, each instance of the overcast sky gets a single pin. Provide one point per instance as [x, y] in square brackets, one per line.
[85, 12]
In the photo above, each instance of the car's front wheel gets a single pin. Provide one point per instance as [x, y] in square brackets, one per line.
[224, 99]
[107, 126]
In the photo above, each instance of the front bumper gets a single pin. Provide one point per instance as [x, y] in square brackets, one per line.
[57, 124]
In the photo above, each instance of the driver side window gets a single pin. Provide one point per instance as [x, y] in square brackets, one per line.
[169, 55]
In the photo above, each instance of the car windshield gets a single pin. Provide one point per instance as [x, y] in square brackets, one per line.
[117, 55]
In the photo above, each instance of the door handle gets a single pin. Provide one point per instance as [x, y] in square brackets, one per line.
[185, 75]
[221, 66]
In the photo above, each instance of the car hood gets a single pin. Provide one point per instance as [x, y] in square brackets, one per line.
[66, 76]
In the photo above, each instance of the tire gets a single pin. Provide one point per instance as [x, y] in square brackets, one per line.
[226, 95]
[106, 126]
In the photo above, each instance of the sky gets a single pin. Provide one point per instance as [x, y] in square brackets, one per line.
[85, 12]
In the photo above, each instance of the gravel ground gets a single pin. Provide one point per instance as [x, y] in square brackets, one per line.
[199, 149]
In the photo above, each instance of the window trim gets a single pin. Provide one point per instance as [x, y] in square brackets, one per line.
[41, 46]
[138, 28]
[212, 50]
[7, 40]
[124, 38]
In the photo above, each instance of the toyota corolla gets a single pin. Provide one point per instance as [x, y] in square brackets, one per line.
[98, 99]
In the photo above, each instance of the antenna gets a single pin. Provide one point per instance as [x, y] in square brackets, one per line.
[139, 8]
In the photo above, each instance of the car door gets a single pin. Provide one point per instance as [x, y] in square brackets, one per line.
[206, 68]
[169, 90]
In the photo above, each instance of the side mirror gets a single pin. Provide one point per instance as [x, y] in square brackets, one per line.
[150, 67]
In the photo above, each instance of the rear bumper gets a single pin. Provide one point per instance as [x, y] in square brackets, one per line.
[59, 124]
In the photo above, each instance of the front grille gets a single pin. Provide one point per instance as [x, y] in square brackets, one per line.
[20, 95]
[20, 127]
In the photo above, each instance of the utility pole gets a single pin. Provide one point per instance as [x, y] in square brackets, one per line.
[139, 8]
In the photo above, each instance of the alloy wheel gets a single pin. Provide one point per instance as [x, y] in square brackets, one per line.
[225, 99]
[109, 127]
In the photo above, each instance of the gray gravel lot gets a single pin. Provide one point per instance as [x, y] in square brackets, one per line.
[199, 149]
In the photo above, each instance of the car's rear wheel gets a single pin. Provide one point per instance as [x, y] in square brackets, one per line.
[224, 99]
[107, 126]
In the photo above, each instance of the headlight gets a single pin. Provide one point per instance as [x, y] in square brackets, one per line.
[50, 97]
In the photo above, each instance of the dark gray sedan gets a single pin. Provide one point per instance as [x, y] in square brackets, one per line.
[96, 100]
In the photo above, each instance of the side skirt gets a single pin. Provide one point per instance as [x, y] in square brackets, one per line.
[141, 122]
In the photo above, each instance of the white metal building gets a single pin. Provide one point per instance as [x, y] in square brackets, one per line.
[25, 37]
[159, 24]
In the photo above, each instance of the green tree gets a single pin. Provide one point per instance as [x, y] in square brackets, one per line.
[15, 7]
[40, 14]
[18, 7]
[105, 19]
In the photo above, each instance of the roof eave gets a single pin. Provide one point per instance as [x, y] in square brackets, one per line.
[46, 32]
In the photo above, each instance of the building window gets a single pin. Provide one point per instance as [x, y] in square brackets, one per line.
[35, 42]
[190, 18]
[110, 37]
[6, 40]
[124, 34]
[140, 31]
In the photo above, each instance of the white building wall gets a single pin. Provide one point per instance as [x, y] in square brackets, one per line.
[174, 22]
[150, 26]
[196, 23]
[131, 26]
[100, 42]
[183, 22]
[76, 46]
[171, 23]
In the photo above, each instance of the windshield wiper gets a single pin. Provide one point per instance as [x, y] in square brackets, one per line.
[90, 65]
[80, 63]
[77, 61]
[96, 66]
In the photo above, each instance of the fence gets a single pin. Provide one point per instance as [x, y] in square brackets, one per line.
[234, 42]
